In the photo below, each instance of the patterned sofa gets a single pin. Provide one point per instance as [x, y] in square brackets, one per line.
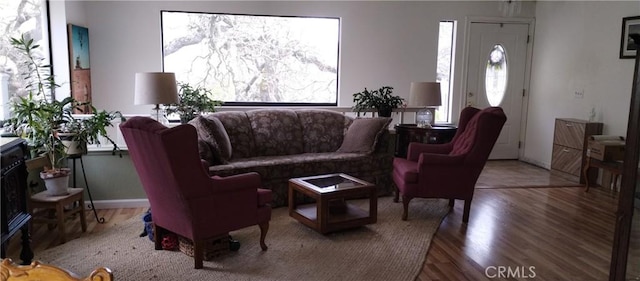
[281, 144]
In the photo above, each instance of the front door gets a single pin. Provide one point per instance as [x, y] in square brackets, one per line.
[496, 66]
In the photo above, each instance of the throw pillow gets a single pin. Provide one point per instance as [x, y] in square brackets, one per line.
[211, 131]
[363, 133]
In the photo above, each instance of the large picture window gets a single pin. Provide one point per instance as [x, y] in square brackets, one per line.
[254, 59]
[18, 17]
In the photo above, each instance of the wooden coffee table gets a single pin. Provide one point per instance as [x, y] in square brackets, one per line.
[331, 211]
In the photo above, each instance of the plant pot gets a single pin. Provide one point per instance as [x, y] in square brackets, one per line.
[57, 182]
[72, 147]
[385, 112]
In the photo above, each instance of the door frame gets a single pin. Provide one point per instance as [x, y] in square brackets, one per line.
[527, 68]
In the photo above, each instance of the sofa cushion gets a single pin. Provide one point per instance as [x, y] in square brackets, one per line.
[276, 132]
[206, 153]
[322, 130]
[211, 132]
[238, 128]
[363, 134]
[277, 170]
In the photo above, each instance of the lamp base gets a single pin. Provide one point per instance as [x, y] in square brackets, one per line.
[159, 115]
[425, 117]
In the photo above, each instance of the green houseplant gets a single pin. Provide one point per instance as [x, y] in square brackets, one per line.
[40, 120]
[381, 99]
[77, 133]
[192, 102]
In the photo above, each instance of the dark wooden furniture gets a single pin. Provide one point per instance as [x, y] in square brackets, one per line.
[15, 215]
[570, 140]
[613, 167]
[408, 133]
[44, 206]
[623, 261]
[331, 211]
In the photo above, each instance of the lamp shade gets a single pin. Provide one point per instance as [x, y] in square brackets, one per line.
[156, 88]
[425, 94]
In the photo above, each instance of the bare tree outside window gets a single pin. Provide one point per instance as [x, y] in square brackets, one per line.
[19, 17]
[254, 59]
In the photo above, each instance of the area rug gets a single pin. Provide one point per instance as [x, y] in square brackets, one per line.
[390, 249]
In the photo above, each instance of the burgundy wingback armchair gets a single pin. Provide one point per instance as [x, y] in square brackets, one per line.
[184, 198]
[449, 170]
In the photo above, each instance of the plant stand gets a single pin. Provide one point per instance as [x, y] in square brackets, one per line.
[86, 184]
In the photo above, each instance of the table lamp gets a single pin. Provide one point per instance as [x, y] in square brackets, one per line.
[156, 88]
[427, 95]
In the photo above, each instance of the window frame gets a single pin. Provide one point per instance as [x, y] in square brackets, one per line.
[448, 99]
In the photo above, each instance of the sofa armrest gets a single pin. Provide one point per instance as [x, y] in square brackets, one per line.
[383, 143]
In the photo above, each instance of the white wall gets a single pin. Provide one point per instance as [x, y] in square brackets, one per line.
[576, 48]
[61, 14]
[383, 43]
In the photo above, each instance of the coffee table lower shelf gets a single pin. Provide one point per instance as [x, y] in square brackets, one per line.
[352, 216]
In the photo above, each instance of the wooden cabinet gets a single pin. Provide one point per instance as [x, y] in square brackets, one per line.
[570, 147]
[15, 216]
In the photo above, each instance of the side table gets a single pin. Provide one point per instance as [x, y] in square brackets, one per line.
[408, 133]
[331, 211]
[613, 167]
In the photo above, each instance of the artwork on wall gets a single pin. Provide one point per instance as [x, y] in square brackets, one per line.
[80, 66]
[628, 47]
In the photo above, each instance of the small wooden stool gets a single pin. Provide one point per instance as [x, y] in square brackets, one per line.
[44, 204]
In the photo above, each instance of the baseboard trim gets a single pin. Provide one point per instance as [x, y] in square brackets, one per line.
[119, 204]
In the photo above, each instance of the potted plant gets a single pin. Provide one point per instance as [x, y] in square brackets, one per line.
[77, 133]
[192, 102]
[40, 119]
[381, 99]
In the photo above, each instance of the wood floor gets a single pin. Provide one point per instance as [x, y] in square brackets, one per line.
[525, 228]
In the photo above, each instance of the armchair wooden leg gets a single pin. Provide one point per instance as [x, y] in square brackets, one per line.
[396, 197]
[405, 206]
[467, 208]
[198, 253]
[264, 228]
[452, 203]
[158, 232]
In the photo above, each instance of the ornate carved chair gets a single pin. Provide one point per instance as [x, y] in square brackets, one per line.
[184, 198]
[37, 271]
[449, 170]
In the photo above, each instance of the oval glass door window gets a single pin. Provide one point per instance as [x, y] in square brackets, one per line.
[495, 82]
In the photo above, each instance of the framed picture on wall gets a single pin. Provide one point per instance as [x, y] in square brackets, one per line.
[628, 48]
[80, 66]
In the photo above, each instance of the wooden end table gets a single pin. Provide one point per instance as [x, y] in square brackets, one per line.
[331, 211]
